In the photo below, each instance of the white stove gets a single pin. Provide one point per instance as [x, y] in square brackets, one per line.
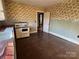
[22, 30]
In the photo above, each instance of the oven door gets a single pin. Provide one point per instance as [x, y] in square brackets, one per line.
[22, 32]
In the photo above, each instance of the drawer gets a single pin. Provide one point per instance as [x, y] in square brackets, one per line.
[10, 44]
[9, 57]
[10, 51]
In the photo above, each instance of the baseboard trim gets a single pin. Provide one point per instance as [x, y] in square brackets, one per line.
[33, 32]
[63, 37]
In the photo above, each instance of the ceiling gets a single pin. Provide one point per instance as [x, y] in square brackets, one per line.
[40, 3]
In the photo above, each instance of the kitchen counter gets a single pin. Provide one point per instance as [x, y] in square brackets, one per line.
[7, 42]
[4, 25]
[6, 34]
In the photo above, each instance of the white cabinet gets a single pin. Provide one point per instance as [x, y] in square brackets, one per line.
[2, 17]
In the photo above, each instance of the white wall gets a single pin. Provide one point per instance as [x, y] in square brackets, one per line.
[68, 29]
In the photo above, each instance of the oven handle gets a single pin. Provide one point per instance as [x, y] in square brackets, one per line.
[24, 31]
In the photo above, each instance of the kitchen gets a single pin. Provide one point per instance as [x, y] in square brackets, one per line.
[21, 21]
[7, 39]
[9, 31]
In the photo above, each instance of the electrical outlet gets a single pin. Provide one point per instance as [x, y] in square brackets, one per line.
[78, 36]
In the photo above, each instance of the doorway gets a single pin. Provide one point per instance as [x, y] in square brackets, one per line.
[40, 20]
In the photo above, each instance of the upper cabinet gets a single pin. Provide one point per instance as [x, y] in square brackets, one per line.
[2, 17]
[1, 5]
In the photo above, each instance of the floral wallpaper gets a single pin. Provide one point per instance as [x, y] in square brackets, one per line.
[67, 9]
[18, 12]
[65, 20]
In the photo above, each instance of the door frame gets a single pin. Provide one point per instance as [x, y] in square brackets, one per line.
[38, 19]
[46, 25]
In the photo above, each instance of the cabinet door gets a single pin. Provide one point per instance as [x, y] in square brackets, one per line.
[1, 6]
[2, 17]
